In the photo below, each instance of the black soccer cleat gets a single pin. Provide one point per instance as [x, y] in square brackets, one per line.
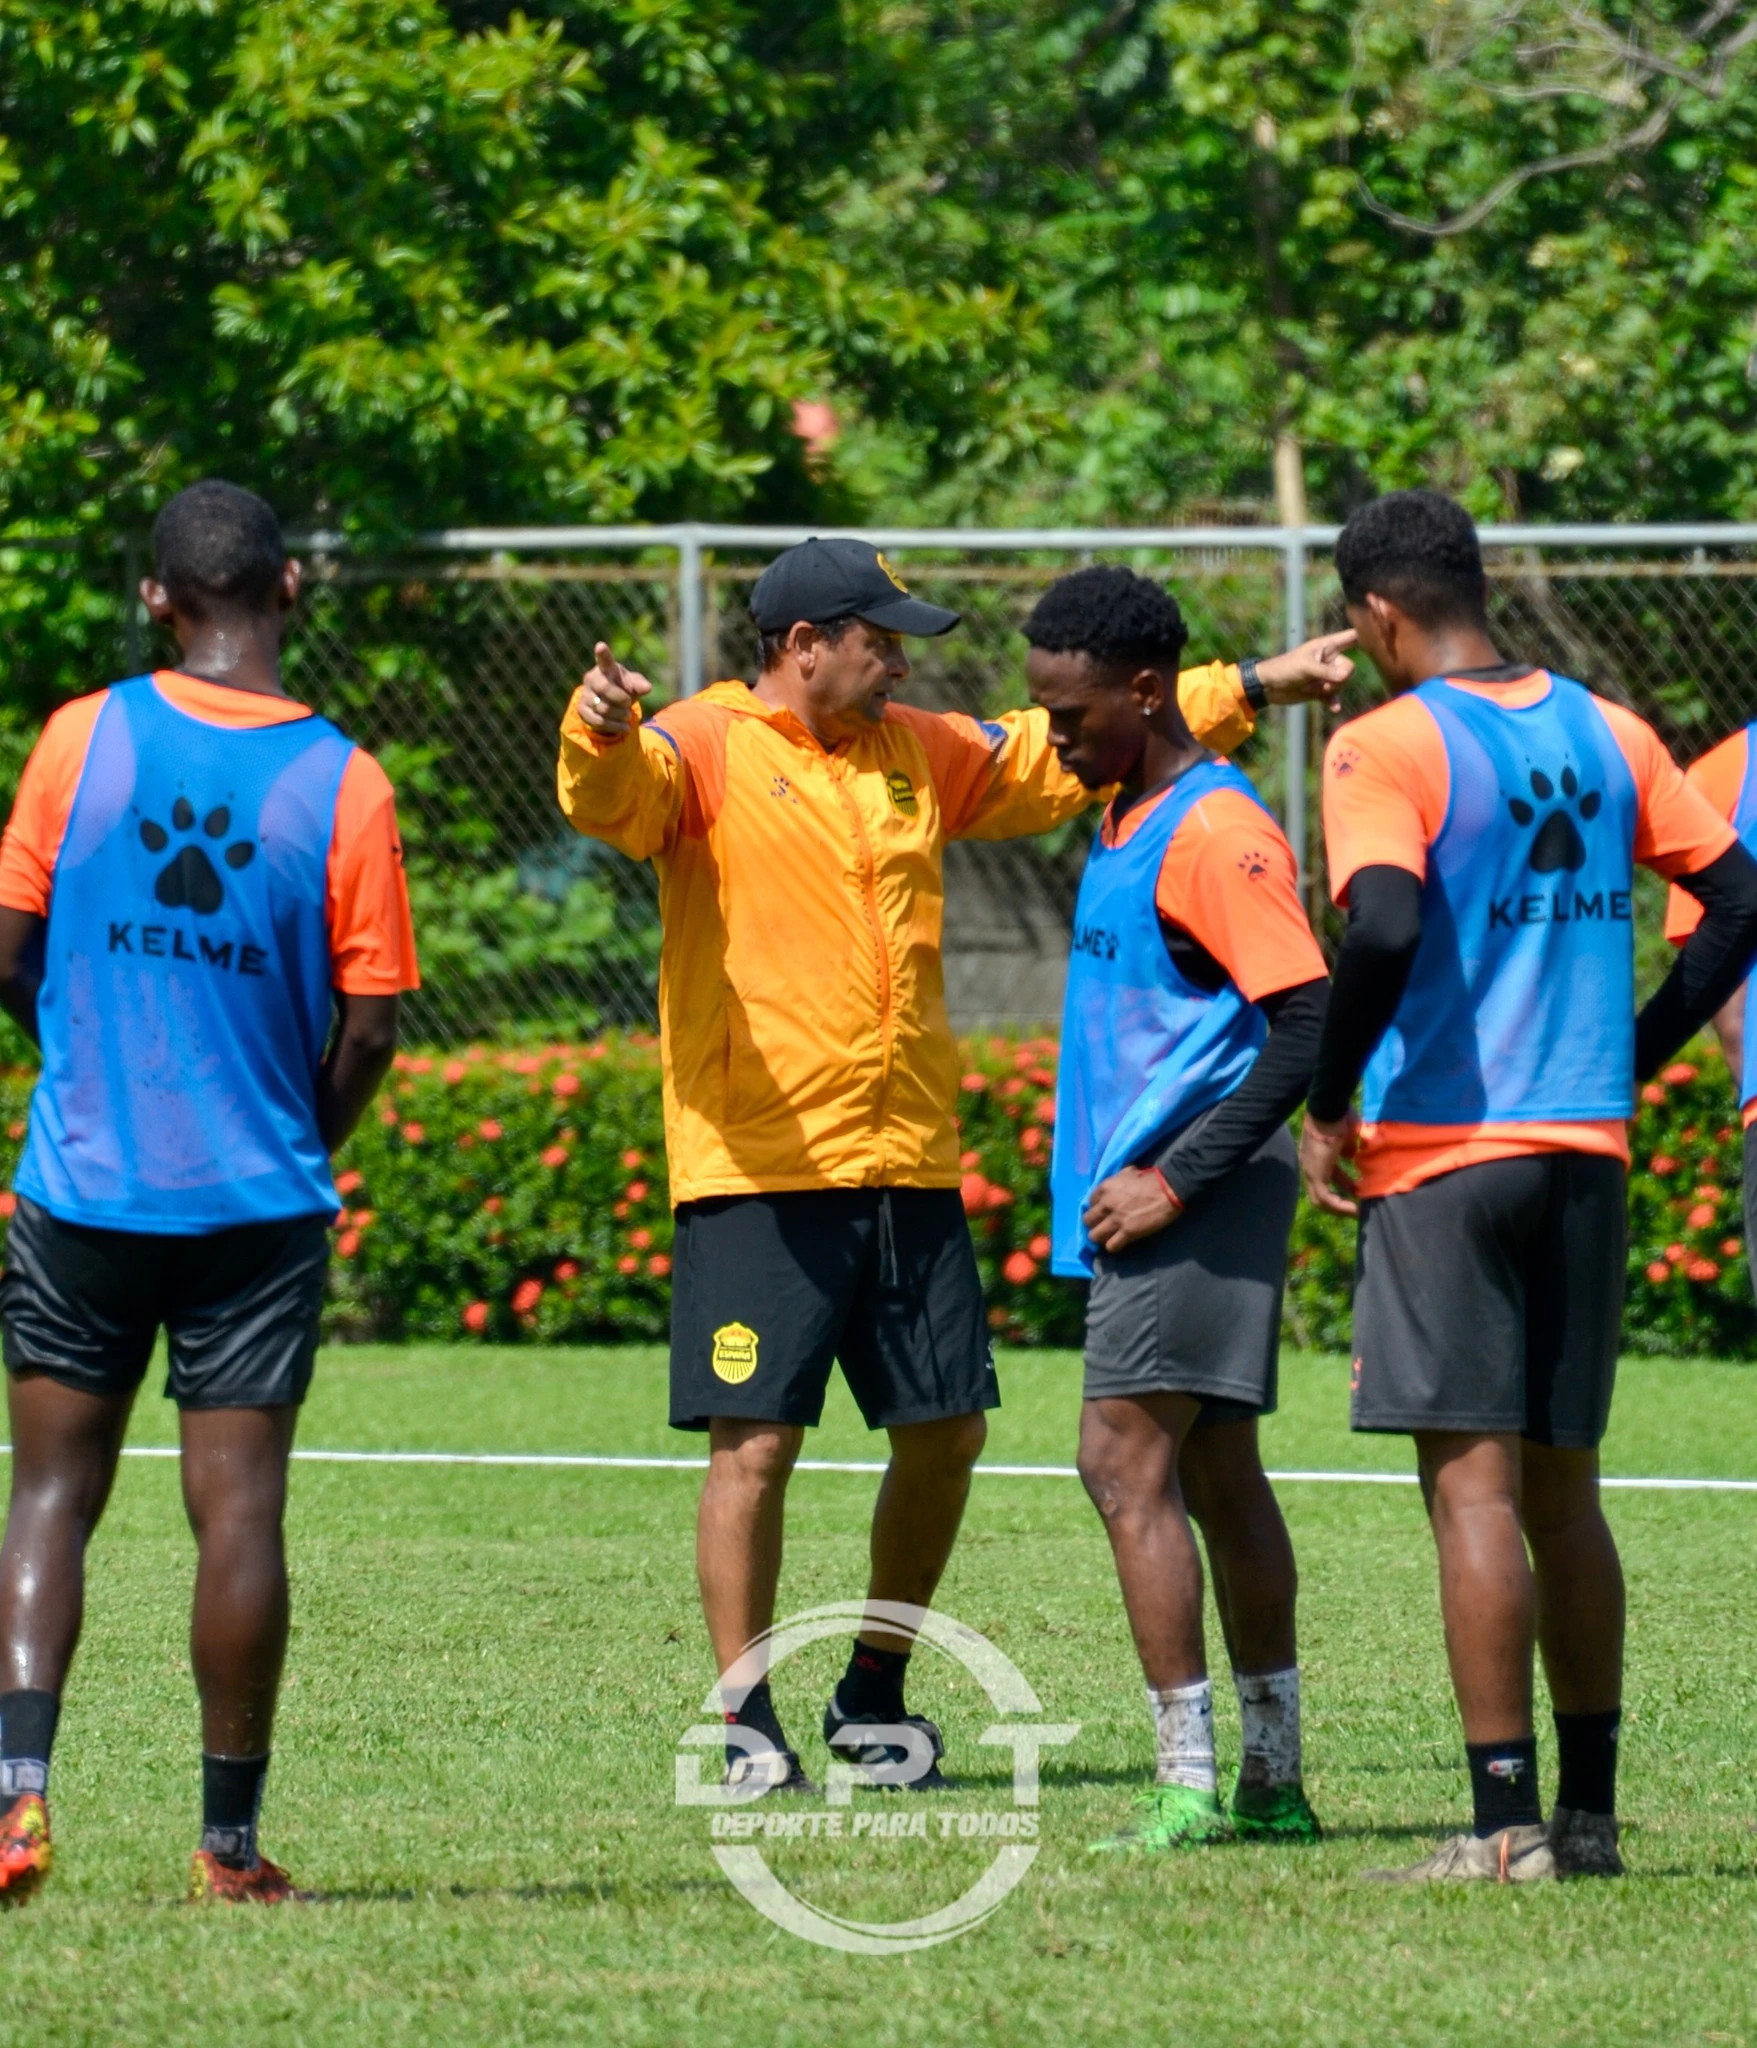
[905, 1766]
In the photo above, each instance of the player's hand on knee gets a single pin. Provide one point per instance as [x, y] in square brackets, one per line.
[607, 695]
[1129, 1206]
[1314, 669]
[1324, 1150]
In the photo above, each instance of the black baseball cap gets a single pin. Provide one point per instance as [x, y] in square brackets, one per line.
[822, 580]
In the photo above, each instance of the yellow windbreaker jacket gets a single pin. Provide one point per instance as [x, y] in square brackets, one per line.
[802, 1005]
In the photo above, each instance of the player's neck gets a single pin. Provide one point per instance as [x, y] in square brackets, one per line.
[1164, 758]
[1448, 650]
[241, 654]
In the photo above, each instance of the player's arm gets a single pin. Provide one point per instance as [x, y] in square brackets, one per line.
[1683, 836]
[1720, 777]
[1379, 816]
[21, 966]
[358, 1059]
[1228, 898]
[616, 781]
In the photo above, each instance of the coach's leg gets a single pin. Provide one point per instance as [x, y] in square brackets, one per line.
[916, 1517]
[738, 1529]
[65, 1444]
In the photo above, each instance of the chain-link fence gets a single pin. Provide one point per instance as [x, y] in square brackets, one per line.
[453, 663]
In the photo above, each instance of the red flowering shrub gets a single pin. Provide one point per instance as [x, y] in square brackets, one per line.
[552, 1221]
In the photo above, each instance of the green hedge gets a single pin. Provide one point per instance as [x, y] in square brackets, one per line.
[504, 1192]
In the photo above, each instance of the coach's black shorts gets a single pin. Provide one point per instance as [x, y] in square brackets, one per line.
[767, 1291]
[1491, 1300]
[239, 1307]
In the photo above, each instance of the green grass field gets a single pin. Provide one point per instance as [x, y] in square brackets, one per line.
[491, 1668]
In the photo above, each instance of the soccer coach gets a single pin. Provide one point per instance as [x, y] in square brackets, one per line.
[810, 1076]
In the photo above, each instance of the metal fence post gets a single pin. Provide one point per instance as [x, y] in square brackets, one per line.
[689, 613]
[1298, 716]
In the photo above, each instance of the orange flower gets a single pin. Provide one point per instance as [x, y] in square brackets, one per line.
[387, 1115]
[1702, 1269]
[997, 1197]
[658, 1265]
[628, 1263]
[640, 1239]
[569, 1269]
[1701, 1216]
[347, 1182]
[15, 1130]
[1039, 1246]
[455, 1071]
[619, 1210]
[364, 1218]
[1019, 1268]
[1041, 1075]
[973, 1192]
[553, 1155]
[347, 1244]
[423, 1065]
[565, 1084]
[973, 1084]
[525, 1296]
[1679, 1073]
[630, 1161]
[1662, 1163]
[1012, 1085]
[476, 1317]
[1676, 1253]
[1653, 1093]
[1708, 1192]
[414, 1133]
[8, 1203]
[338, 1219]
[1731, 1247]
[969, 1161]
[636, 1191]
[1659, 1271]
[997, 1319]
[490, 1129]
[1030, 1139]
[493, 1205]
[528, 1064]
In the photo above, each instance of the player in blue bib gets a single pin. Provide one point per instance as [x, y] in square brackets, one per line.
[1194, 1001]
[203, 924]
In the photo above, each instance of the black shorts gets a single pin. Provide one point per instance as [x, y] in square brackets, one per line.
[240, 1308]
[1490, 1300]
[768, 1291]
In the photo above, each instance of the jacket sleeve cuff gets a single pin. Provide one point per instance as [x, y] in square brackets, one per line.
[1212, 700]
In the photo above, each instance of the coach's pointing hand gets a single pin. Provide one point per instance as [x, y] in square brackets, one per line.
[1315, 668]
[607, 694]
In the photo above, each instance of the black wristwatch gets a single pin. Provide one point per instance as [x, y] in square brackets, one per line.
[1256, 695]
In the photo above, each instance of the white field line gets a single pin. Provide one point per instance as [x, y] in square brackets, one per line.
[592, 1460]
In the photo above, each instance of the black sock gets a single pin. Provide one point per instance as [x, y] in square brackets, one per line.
[1586, 1758]
[27, 1734]
[755, 1711]
[1503, 1782]
[231, 1798]
[873, 1682]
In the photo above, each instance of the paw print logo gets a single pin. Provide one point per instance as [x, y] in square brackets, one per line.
[1344, 760]
[1254, 865]
[1558, 847]
[189, 880]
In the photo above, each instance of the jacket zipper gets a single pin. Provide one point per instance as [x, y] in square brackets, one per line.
[881, 954]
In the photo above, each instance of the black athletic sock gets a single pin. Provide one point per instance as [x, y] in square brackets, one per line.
[1586, 1760]
[231, 1798]
[756, 1711]
[1503, 1783]
[873, 1682]
[27, 1735]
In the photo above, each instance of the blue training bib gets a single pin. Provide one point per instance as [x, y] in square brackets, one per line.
[1745, 825]
[1521, 1004]
[1143, 1049]
[186, 996]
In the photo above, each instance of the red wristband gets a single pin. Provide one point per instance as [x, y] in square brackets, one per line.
[1171, 1194]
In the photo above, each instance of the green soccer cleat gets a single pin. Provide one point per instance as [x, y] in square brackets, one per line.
[1273, 1813]
[1168, 1817]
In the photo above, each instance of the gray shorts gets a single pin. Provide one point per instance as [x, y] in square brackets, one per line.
[1490, 1301]
[1196, 1308]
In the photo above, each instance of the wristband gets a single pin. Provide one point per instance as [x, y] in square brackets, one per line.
[1256, 694]
[1171, 1193]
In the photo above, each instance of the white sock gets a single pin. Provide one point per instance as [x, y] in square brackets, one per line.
[1183, 1719]
[1268, 1708]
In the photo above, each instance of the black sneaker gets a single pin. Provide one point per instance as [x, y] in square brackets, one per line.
[893, 1764]
[767, 1773]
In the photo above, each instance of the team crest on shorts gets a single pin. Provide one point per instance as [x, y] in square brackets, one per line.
[734, 1354]
[902, 793]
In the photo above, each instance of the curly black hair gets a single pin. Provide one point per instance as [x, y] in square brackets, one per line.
[218, 547]
[1419, 549]
[1111, 614]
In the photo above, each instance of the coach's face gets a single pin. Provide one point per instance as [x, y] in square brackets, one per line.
[1098, 722]
[851, 681]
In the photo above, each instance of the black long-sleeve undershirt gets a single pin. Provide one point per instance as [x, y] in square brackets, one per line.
[1206, 1151]
[1384, 930]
